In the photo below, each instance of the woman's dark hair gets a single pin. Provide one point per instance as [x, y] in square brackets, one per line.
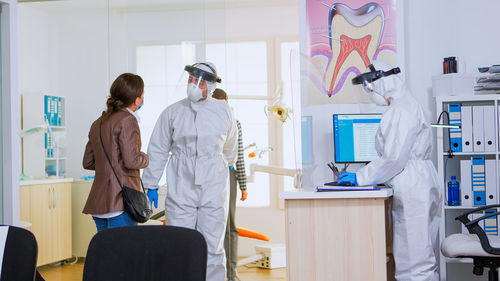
[123, 92]
[219, 94]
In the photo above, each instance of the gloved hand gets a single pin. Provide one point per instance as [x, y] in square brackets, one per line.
[244, 195]
[348, 177]
[231, 167]
[153, 197]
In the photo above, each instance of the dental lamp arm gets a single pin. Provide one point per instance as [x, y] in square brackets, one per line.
[295, 174]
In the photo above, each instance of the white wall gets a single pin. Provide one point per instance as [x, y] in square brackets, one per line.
[438, 29]
[33, 51]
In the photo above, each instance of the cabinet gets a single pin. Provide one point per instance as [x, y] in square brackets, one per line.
[484, 136]
[47, 206]
[43, 144]
[83, 225]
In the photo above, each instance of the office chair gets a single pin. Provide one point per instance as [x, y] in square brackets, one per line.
[138, 253]
[20, 253]
[483, 249]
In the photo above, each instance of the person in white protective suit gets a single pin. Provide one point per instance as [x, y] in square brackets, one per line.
[201, 134]
[403, 143]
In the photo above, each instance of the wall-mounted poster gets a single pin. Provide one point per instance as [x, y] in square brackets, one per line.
[341, 41]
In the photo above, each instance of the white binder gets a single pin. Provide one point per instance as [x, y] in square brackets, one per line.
[489, 128]
[467, 129]
[478, 128]
[465, 183]
[491, 181]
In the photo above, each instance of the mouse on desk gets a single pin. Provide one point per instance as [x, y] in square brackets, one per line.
[346, 183]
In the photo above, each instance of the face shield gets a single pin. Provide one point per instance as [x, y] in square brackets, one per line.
[201, 81]
[367, 80]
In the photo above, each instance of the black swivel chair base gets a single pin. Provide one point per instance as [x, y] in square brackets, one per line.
[492, 263]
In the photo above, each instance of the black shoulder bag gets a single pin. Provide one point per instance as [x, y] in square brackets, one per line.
[136, 202]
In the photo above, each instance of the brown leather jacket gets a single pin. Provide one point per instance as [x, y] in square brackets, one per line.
[122, 140]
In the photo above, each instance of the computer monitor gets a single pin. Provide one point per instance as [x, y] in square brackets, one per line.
[354, 137]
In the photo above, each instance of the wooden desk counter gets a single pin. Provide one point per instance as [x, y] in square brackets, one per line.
[336, 235]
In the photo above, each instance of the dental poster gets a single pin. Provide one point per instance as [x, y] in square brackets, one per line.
[341, 41]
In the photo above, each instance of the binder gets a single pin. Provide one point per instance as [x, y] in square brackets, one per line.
[46, 103]
[55, 102]
[490, 225]
[466, 114]
[465, 183]
[489, 128]
[491, 181]
[52, 111]
[478, 128]
[478, 181]
[455, 134]
[59, 110]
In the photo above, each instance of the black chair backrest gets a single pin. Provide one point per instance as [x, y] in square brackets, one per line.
[140, 253]
[19, 256]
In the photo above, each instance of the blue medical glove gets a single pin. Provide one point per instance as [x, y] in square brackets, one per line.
[348, 177]
[153, 197]
[230, 167]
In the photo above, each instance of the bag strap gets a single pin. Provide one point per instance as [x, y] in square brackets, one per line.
[107, 157]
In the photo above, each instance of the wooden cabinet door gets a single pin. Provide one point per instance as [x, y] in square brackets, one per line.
[36, 207]
[61, 221]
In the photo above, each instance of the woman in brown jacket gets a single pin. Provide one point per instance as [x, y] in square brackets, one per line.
[121, 139]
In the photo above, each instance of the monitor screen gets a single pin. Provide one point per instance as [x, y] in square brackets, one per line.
[354, 137]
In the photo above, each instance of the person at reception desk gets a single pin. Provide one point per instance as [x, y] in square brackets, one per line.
[403, 143]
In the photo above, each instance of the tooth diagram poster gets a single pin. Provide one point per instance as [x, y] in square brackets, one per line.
[341, 41]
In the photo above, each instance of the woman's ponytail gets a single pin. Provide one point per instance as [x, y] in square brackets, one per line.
[123, 92]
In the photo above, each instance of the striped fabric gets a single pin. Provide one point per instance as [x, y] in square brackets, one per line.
[241, 176]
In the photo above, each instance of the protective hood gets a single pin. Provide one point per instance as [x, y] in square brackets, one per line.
[201, 76]
[389, 85]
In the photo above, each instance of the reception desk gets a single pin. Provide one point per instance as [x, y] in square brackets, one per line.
[336, 235]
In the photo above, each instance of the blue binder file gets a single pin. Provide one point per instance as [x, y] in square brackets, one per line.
[478, 181]
[55, 116]
[454, 110]
[46, 103]
[59, 111]
[491, 223]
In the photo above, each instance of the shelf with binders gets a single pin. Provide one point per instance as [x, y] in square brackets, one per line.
[476, 140]
[477, 176]
[477, 131]
[44, 149]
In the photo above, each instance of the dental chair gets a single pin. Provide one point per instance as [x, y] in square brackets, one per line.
[483, 249]
[137, 253]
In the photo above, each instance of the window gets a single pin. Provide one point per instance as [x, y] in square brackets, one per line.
[243, 69]
[244, 72]
[161, 68]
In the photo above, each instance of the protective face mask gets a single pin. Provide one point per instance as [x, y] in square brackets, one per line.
[378, 99]
[194, 93]
[139, 107]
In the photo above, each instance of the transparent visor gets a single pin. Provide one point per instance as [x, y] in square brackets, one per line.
[197, 81]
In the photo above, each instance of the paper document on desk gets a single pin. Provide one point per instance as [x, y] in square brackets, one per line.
[345, 188]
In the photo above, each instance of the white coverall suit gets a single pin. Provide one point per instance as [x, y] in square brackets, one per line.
[403, 142]
[202, 137]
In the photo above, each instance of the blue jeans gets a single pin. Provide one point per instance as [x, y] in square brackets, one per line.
[122, 220]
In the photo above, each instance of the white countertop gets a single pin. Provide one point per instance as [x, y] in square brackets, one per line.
[384, 192]
[45, 181]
